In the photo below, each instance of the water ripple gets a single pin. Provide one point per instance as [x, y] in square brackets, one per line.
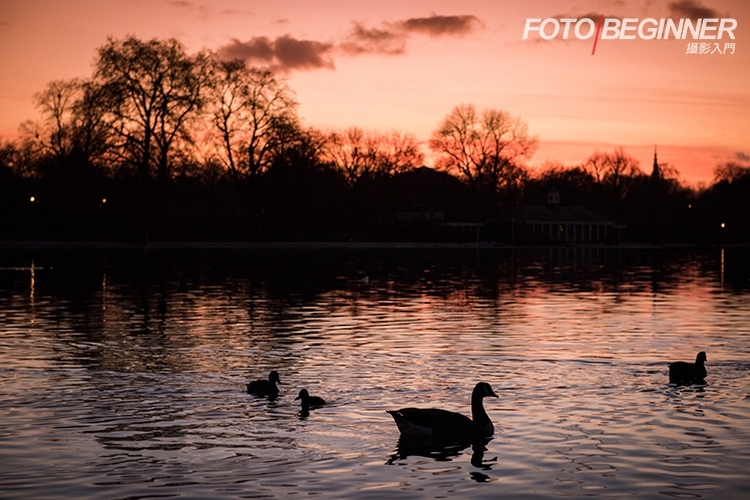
[130, 386]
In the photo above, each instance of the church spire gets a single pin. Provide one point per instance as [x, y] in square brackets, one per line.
[656, 172]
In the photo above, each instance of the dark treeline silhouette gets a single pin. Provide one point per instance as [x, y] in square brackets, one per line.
[158, 144]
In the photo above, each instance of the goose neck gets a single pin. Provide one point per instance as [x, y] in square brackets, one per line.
[478, 414]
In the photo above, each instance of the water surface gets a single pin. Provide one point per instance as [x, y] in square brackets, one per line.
[122, 373]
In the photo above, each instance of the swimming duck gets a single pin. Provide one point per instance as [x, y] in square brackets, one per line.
[308, 401]
[265, 387]
[437, 423]
[681, 372]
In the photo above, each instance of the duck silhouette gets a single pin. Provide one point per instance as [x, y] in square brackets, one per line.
[308, 401]
[438, 423]
[265, 387]
[684, 373]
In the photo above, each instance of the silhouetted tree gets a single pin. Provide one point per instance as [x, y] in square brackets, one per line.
[730, 172]
[614, 170]
[596, 165]
[148, 102]
[398, 153]
[71, 136]
[723, 206]
[574, 184]
[9, 157]
[26, 154]
[485, 149]
[621, 168]
[656, 208]
[54, 132]
[92, 140]
[302, 147]
[71, 132]
[153, 88]
[667, 173]
[365, 155]
[351, 152]
[254, 114]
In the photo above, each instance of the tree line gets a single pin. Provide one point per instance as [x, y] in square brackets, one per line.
[160, 144]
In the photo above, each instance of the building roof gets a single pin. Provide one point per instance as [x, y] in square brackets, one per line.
[544, 214]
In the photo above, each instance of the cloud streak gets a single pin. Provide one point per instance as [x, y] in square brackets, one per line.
[692, 9]
[384, 40]
[284, 53]
[441, 25]
[287, 53]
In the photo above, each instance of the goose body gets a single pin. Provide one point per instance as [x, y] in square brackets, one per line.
[308, 401]
[681, 372]
[265, 387]
[438, 423]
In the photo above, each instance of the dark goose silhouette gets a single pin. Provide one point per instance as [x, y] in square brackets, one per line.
[265, 387]
[681, 372]
[437, 423]
[308, 401]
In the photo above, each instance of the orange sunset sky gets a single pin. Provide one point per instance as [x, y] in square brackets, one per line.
[384, 65]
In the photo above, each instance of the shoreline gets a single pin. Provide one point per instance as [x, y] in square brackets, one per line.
[328, 245]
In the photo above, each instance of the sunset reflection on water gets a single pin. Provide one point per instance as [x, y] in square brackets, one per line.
[133, 366]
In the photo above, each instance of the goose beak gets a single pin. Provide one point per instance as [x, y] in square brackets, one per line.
[492, 393]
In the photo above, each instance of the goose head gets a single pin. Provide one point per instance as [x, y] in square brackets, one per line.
[303, 395]
[483, 390]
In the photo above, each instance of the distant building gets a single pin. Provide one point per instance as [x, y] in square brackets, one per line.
[556, 223]
[464, 231]
[420, 214]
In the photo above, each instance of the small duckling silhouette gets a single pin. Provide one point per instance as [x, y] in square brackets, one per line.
[308, 401]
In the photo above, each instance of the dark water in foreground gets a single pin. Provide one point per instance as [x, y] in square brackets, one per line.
[122, 373]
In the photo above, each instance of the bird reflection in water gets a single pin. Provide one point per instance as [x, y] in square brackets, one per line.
[442, 450]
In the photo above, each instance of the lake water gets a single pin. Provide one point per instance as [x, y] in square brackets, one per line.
[123, 372]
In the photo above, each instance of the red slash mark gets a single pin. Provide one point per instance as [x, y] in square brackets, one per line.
[598, 30]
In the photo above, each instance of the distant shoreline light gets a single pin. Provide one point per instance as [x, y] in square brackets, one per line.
[630, 28]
